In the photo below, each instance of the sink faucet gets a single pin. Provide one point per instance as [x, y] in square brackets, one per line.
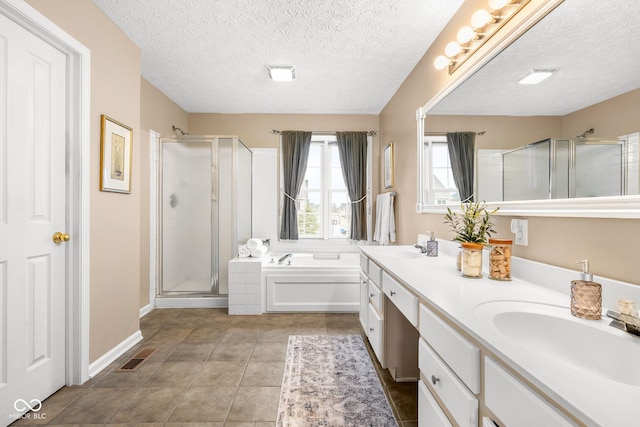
[423, 248]
[284, 257]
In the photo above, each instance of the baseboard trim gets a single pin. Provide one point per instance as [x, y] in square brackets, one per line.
[192, 302]
[146, 310]
[113, 354]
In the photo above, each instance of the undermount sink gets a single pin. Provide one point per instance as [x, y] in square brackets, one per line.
[551, 332]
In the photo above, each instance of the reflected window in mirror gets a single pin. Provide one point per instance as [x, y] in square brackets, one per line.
[439, 185]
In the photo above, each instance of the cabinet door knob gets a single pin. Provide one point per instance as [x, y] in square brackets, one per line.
[371, 329]
[392, 293]
[371, 295]
[434, 379]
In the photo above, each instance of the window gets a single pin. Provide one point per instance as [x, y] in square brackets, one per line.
[324, 211]
[439, 186]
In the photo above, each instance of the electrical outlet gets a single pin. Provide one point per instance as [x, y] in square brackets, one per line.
[520, 227]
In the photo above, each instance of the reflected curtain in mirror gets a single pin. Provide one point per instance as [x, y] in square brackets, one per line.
[462, 149]
[352, 147]
[295, 153]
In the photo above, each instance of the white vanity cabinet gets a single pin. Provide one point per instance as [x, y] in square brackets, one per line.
[450, 364]
[514, 403]
[371, 308]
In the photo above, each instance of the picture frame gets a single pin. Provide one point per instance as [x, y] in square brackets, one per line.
[116, 150]
[388, 166]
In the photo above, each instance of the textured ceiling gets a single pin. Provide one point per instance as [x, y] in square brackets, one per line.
[594, 44]
[211, 56]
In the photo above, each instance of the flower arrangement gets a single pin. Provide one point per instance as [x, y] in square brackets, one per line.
[474, 223]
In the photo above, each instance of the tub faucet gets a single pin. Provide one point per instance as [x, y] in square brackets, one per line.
[283, 258]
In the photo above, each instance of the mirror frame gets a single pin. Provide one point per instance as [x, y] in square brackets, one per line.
[588, 207]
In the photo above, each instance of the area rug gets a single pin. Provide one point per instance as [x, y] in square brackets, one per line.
[330, 381]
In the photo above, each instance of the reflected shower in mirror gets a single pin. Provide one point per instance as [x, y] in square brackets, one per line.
[535, 134]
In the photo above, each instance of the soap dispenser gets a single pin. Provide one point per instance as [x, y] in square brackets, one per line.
[432, 245]
[586, 295]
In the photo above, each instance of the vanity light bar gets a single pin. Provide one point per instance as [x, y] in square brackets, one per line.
[537, 75]
[483, 25]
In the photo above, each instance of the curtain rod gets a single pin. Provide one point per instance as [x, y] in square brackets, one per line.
[332, 132]
[482, 132]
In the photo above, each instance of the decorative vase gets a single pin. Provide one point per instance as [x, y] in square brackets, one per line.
[471, 259]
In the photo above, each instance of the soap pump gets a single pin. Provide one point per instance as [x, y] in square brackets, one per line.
[432, 245]
[586, 295]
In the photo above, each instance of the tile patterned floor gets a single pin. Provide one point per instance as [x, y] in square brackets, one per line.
[210, 369]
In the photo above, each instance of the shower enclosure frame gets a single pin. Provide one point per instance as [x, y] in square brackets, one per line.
[214, 297]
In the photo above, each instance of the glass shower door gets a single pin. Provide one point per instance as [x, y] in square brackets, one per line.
[186, 198]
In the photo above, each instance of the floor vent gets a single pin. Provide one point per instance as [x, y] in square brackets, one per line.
[136, 361]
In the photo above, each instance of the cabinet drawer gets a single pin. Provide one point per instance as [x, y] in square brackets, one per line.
[514, 403]
[375, 334]
[429, 413]
[459, 353]
[364, 263]
[460, 402]
[406, 302]
[375, 273]
[375, 296]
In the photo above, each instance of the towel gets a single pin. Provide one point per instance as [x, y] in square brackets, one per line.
[243, 251]
[385, 220]
[254, 243]
[259, 251]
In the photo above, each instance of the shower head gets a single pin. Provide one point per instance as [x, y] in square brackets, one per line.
[584, 134]
[177, 129]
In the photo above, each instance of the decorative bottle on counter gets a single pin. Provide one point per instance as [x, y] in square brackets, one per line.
[586, 295]
[500, 259]
[471, 259]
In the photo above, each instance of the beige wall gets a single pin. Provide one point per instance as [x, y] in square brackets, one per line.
[557, 241]
[157, 113]
[255, 129]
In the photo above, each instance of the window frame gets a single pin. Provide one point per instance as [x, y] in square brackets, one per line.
[427, 161]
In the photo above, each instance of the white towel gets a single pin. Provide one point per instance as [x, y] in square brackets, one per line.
[243, 251]
[254, 243]
[385, 220]
[259, 251]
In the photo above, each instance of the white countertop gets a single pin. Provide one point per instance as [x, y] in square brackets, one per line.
[593, 399]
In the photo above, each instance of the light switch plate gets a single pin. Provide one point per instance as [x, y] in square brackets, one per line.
[520, 227]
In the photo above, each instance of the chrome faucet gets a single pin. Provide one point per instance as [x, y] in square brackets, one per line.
[284, 257]
[423, 248]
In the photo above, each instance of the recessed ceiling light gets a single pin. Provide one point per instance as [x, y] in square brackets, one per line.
[282, 73]
[536, 75]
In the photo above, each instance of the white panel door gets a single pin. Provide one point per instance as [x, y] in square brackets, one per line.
[32, 209]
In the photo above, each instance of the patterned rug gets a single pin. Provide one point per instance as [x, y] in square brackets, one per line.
[330, 381]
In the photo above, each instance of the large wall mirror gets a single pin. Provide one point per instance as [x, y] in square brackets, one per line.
[567, 146]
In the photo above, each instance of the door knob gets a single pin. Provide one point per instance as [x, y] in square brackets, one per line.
[60, 237]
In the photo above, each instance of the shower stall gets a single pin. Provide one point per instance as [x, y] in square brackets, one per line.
[204, 212]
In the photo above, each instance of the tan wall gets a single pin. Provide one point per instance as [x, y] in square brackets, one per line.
[158, 113]
[115, 218]
[557, 241]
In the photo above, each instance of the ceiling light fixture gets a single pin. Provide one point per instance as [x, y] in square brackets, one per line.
[282, 73]
[537, 75]
[484, 24]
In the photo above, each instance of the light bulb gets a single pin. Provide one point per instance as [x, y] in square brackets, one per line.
[452, 49]
[465, 35]
[498, 4]
[441, 62]
[480, 18]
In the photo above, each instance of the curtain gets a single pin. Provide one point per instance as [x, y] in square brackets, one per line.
[462, 150]
[352, 147]
[295, 153]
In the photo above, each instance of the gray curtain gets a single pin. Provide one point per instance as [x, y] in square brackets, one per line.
[462, 151]
[352, 147]
[295, 153]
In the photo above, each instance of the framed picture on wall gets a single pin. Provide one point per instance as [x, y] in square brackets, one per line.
[388, 166]
[116, 148]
